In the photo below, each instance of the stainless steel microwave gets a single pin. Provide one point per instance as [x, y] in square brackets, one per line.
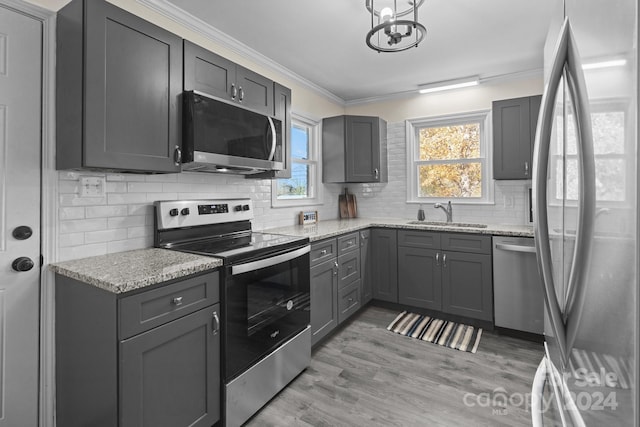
[223, 137]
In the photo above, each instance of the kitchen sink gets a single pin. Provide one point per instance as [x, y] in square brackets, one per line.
[448, 224]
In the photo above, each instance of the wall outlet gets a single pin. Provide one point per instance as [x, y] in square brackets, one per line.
[92, 186]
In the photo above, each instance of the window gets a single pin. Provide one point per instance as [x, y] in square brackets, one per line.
[448, 159]
[303, 187]
[611, 150]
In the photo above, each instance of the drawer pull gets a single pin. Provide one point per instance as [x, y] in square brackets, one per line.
[323, 252]
[177, 301]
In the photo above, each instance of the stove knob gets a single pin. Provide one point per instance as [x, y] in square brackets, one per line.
[173, 212]
[245, 207]
[185, 211]
[237, 208]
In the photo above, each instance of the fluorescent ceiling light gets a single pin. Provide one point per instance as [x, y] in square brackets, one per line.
[449, 85]
[605, 64]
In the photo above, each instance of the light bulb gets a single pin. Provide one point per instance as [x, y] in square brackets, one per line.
[386, 14]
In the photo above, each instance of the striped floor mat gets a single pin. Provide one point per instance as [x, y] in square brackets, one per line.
[448, 334]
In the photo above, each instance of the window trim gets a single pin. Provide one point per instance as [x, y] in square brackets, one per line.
[486, 155]
[315, 162]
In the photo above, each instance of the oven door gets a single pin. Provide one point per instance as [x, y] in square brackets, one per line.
[266, 302]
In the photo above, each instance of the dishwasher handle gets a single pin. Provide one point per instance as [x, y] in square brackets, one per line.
[516, 248]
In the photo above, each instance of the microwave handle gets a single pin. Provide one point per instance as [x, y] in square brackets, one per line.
[269, 262]
[274, 141]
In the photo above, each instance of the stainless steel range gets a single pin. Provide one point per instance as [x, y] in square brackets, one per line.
[265, 296]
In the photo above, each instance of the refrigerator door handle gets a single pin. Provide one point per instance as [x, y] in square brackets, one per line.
[541, 154]
[537, 394]
[581, 261]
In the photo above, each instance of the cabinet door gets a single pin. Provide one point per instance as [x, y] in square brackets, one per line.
[384, 260]
[324, 299]
[419, 277]
[254, 91]
[512, 139]
[363, 149]
[348, 268]
[348, 301]
[170, 375]
[133, 81]
[467, 285]
[365, 267]
[207, 72]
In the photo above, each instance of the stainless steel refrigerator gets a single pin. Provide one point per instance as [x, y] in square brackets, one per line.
[585, 192]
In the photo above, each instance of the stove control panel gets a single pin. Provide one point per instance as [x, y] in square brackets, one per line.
[189, 213]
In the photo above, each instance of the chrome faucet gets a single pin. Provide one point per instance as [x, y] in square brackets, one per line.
[448, 210]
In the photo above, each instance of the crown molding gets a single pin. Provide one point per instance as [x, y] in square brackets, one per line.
[193, 23]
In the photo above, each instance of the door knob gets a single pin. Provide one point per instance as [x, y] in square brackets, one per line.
[22, 264]
[22, 232]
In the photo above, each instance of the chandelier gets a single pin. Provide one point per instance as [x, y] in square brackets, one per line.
[388, 32]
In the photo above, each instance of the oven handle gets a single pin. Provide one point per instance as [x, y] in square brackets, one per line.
[268, 262]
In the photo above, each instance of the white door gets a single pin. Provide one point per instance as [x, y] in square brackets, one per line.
[20, 147]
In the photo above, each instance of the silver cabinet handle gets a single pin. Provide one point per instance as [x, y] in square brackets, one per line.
[444, 260]
[240, 94]
[177, 301]
[526, 168]
[376, 172]
[335, 268]
[438, 259]
[323, 252]
[564, 325]
[216, 323]
[234, 91]
[274, 141]
[177, 156]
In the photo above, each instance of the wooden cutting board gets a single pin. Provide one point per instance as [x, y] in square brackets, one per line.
[352, 206]
[343, 205]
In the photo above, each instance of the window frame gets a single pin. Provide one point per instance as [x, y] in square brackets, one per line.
[314, 162]
[413, 126]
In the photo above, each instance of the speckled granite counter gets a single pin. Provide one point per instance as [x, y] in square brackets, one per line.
[331, 228]
[125, 271]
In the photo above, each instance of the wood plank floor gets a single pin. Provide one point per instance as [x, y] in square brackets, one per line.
[365, 375]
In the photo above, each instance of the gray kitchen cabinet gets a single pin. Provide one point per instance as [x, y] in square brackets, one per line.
[354, 149]
[448, 272]
[219, 77]
[384, 260]
[324, 299]
[282, 101]
[335, 283]
[514, 127]
[118, 83]
[143, 358]
[366, 267]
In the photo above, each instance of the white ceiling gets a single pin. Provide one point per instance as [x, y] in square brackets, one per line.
[324, 41]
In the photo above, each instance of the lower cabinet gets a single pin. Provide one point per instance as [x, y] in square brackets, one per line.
[366, 266]
[448, 272]
[335, 283]
[384, 259]
[324, 299]
[142, 358]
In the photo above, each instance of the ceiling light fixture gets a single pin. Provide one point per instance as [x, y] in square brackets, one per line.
[389, 33]
[449, 85]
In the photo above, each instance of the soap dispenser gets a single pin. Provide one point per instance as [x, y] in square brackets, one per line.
[421, 214]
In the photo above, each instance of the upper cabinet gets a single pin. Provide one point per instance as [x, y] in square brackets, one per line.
[218, 77]
[514, 129]
[354, 149]
[118, 82]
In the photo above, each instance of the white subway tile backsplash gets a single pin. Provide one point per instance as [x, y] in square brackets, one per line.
[84, 225]
[105, 235]
[75, 252]
[67, 213]
[144, 187]
[106, 211]
[126, 221]
[71, 239]
[126, 198]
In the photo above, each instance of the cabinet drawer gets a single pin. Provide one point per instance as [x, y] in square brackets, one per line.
[348, 243]
[146, 310]
[419, 239]
[322, 251]
[348, 301]
[459, 242]
[348, 268]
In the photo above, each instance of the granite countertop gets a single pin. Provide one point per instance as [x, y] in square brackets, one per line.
[125, 271]
[332, 228]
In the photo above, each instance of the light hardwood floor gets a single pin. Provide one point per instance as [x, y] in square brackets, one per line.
[365, 375]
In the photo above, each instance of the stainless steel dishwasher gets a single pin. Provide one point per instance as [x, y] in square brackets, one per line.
[517, 287]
